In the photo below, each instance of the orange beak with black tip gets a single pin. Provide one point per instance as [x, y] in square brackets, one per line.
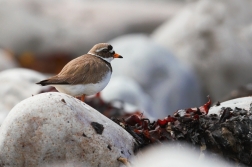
[117, 56]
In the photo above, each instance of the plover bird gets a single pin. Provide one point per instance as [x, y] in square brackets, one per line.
[87, 74]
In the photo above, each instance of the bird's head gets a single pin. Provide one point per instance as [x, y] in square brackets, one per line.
[104, 51]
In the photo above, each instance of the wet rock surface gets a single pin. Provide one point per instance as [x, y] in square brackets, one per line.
[228, 135]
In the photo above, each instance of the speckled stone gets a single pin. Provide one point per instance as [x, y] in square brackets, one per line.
[53, 128]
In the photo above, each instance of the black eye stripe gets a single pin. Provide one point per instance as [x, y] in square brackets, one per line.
[104, 50]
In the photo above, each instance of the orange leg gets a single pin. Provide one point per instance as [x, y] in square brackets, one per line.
[83, 98]
[98, 94]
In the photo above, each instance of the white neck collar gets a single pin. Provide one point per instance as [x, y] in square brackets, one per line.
[106, 59]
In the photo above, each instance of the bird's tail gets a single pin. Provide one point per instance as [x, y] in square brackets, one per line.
[53, 81]
[44, 82]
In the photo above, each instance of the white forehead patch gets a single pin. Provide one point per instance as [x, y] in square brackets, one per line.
[98, 50]
[111, 51]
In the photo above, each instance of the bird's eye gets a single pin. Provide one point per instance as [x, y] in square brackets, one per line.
[110, 47]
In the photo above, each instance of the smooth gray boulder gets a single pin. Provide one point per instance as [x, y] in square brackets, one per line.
[170, 84]
[214, 37]
[7, 61]
[177, 155]
[54, 128]
[242, 103]
[16, 85]
[125, 92]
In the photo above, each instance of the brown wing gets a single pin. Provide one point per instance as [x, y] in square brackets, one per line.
[82, 70]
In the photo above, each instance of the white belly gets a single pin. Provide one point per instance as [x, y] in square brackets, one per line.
[87, 89]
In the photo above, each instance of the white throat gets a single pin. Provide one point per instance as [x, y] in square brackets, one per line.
[106, 59]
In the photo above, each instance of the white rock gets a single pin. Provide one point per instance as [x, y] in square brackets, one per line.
[170, 84]
[54, 127]
[7, 61]
[244, 103]
[3, 112]
[16, 85]
[75, 26]
[214, 37]
[128, 92]
[170, 155]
